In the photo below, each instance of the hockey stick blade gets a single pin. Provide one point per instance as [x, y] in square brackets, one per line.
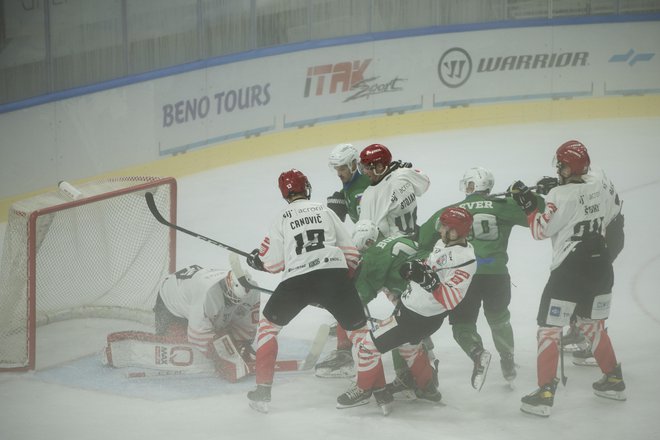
[151, 203]
[317, 347]
[240, 275]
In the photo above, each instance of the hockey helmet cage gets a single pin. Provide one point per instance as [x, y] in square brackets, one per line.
[294, 182]
[343, 154]
[236, 292]
[364, 231]
[574, 155]
[481, 177]
[374, 154]
[458, 219]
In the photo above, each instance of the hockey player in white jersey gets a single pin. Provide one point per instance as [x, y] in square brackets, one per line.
[438, 285]
[315, 253]
[391, 200]
[577, 218]
[198, 311]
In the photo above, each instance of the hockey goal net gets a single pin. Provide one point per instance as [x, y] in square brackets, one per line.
[101, 255]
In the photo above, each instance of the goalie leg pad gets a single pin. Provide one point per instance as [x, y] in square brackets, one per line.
[147, 350]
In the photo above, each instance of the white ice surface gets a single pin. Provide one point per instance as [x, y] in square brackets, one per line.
[74, 398]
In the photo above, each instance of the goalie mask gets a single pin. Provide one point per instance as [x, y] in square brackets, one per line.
[365, 231]
[235, 292]
[482, 179]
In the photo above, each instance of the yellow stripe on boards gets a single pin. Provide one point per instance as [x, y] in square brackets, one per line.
[295, 139]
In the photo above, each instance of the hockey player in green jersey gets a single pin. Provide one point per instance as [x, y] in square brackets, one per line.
[493, 220]
[343, 160]
[379, 272]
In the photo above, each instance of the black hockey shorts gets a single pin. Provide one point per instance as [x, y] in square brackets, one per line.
[165, 321]
[494, 290]
[328, 288]
[583, 281]
[408, 327]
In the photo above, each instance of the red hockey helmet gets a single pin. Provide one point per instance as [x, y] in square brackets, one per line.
[374, 154]
[458, 219]
[574, 155]
[294, 182]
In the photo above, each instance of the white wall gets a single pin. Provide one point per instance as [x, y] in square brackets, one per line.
[109, 130]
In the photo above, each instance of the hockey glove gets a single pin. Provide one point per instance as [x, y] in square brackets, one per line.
[338, 204]
[254, 261]
[420, 273]
[544, 185]
[398, 164]
[523, 196]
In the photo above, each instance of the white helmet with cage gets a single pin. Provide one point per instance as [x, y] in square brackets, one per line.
[344, 154]
[236, 292]
[365, 231]
[481, 177]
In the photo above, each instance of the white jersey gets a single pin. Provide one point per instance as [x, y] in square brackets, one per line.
[455, 267]
[198, 295]
[392, 203]
[307, 236]
[574, 209]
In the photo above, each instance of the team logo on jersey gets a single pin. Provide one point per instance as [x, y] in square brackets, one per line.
[555, 311]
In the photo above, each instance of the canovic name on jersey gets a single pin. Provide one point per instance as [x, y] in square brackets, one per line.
[309, 220]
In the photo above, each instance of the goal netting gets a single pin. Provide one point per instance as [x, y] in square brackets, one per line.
[101, 255]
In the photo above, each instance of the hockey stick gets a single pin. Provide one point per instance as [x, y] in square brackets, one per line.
[157, 215]
[508, 193]
[284, 365]
[564, 379]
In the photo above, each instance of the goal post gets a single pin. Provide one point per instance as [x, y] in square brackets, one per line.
[98, 254]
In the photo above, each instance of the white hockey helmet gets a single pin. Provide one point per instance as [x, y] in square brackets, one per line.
[365, 230]
[236, 292]
[481, 177]
[344, 154]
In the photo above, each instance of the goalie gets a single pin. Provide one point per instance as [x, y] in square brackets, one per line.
[205, 321]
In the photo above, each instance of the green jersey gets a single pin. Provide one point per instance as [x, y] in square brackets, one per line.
[493, 220]
[380, 267]
[353, 193]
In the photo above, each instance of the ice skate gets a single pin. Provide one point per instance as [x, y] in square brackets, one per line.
[611, 385]
[338, 364]
[573, 340]
[508, 367]
[260, 398]
[403, 386]
[481, 360]
[354, 396]
[384, 400]
[539, 403]
[429, 394]
[584, 358]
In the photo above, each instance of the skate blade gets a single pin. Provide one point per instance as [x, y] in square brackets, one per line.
[585, 362]
[614, 395]
[480, 379]
[405, 395]
[341, 373]
[360, 403]
[262, 407]
[510, 385]
[386, 408]
[539, 410]
[572, 348]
